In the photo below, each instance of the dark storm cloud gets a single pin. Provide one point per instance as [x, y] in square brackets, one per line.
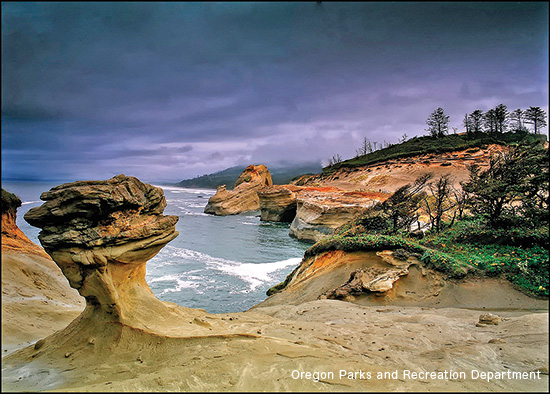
[174, 90]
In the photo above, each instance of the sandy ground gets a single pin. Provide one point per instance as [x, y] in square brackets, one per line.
[36, 299]
[278, 343]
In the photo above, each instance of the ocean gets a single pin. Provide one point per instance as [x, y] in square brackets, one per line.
[217, 263]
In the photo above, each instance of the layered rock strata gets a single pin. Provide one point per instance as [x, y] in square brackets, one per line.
[318, 213]
[101, 233]
[244, 196]
[391, 278]
[36, 298]
[13, 239]
[278, 203]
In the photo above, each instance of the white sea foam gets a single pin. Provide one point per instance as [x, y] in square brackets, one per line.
[196, 205]
[29, 202]
[255, 274]
[187, 190]
[181, 284]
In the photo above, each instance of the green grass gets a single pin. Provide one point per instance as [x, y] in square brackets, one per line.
[456, 256]
[519, 254]
[433, 258]
[423, 145]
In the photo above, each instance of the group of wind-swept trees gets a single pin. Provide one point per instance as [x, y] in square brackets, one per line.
[511, 192]
[495, 120]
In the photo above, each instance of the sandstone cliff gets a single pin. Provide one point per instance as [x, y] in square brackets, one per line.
[389, 175]
[382, 278]
[278, 203]
[101, 233]
[244, 196]
[319, 212]
[36, 298]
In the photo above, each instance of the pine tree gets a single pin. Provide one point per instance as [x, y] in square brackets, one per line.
[476, 121]
[517, 118]
[537, 117]
[501, 118]
[438, 123]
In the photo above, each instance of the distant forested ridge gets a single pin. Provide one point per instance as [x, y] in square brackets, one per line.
[281, 174]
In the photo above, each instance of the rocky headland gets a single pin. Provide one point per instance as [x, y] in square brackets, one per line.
[337, 311]
[244, 196]
[316, 205]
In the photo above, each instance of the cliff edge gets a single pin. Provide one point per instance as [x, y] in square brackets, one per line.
[36, 298]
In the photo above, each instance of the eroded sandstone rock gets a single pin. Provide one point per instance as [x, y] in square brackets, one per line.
[278, 203]
[244, 196]
[13, 239]
[489, 318]
[372, 279]
[320, 212]
[101, 233]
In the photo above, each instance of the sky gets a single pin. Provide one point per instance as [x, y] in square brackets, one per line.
[170, 91]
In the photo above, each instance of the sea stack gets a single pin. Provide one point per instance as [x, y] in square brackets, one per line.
[244, 196]
[101, 234]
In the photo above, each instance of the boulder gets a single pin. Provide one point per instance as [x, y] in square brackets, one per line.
[244, 196]
[101, 234]
[489, 319]
[370, 279]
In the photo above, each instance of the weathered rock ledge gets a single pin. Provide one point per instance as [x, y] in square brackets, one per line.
[391, 278]
[244, 196]
[13, 239]
[320, 212]
[278, 203]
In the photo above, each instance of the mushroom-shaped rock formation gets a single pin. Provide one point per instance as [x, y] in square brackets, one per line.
[101, 234]
[244, 197]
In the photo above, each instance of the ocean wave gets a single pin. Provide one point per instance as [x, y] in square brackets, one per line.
[29, 202]
[187, 190]
[196, 205]
[254, 274]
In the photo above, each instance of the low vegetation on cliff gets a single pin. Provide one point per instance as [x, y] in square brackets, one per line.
[496, 225]
[428, 144]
